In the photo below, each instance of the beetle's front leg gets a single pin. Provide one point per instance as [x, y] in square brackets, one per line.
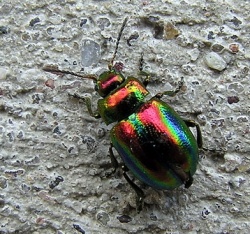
[87, 101]
[137, 189]
[191, 123]
[171, 93]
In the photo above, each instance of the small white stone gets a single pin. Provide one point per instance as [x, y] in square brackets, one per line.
[3, 73]
[90, 52]
[215, 61]
[232, 161]
[194, 54]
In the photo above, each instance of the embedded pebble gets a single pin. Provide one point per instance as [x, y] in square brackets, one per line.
[232, 161]
[242, 119]
[34, 21]
[55, 19]
[170, 31]
[124, 218]
[78, 228]
[103, 23]
[103, 217]
[100, 132]
[3, 73]
[234, 48]
[205, 212]
[3, 182]
[83, 22]
[215, 61]
[4, 30]
[236, 87]
[50, 83]
[217, 48]
[90, 53]
[194, 54]
[90, 142]
[232, 99]
[234, 23]
[237, 181]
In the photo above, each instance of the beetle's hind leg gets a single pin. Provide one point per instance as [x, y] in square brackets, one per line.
[136, 188]
[142, 72]
[87, 101]
[185, 177]
[189, 182]
[115, 164]
[191, 123]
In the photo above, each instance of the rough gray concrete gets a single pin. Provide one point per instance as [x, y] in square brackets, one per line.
[53, 154]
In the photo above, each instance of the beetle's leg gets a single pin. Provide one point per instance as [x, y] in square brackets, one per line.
[87, 101]
[191, 123]
[171, 93]
[89, 107]
[142, 72]
[185, 177]
[114, 162]
[189, 182]
[139, 192]
[137, 189]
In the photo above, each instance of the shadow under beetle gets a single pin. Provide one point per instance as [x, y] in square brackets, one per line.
[154, 142]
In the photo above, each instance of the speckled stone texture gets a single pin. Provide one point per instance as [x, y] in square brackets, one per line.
[53, 154]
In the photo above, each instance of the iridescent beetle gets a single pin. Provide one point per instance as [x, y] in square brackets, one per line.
[154, 142]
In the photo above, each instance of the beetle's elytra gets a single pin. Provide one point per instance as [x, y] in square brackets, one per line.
[156, 145]
[154, 142]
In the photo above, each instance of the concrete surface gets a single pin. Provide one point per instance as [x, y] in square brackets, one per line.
[53, 154]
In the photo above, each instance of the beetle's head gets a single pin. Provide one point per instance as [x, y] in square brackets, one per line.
[108, 81]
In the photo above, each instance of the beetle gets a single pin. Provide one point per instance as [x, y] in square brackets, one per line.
[153, 141]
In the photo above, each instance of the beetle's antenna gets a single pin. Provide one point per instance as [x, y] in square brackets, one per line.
[117, 43]
[55, 70]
